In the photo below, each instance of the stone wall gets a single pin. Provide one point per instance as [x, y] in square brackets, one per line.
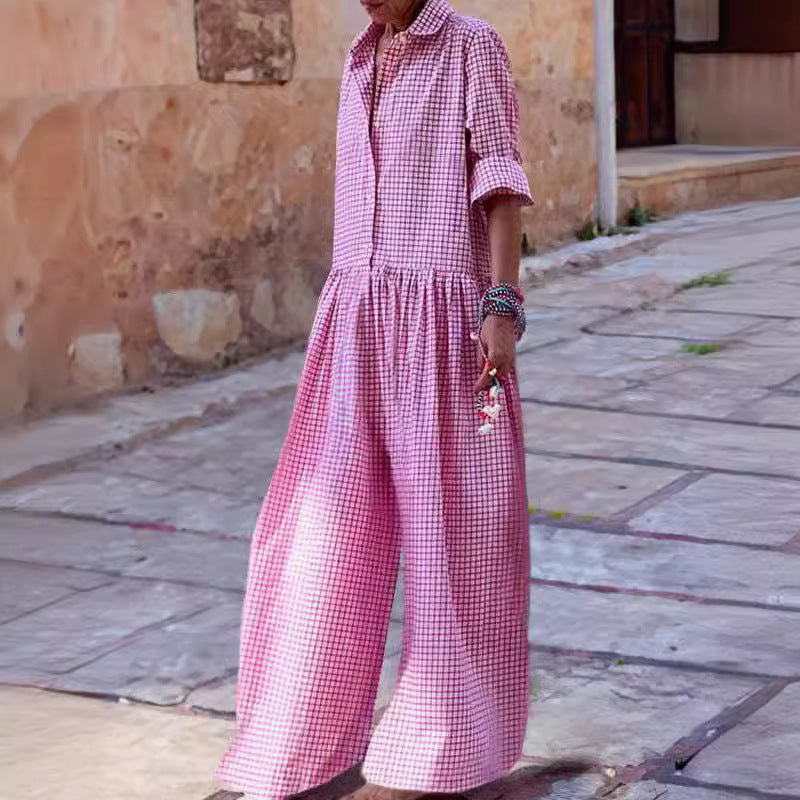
[154, 223]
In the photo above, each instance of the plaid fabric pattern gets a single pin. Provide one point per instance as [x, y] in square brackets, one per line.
[383, 454]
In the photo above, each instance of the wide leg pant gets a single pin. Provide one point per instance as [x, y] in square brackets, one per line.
[383, 454]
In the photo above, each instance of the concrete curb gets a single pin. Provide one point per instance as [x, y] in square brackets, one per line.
[580, 257]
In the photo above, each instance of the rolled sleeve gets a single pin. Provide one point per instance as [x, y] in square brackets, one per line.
[492, 118]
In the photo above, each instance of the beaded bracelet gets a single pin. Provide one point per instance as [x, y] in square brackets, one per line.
[505, 300]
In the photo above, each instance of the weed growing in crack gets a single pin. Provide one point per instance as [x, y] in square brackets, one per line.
[707, 281]
[701, 348]
[639, 216]
[556, 514]
[593, 230]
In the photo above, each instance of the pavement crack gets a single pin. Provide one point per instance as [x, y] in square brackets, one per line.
[679, 597]
[54, 602]
[660, 414]
[124, 574]
[612, 527]
[744, 792]
[213, 413]
[612, 658]
[681, 754]
[656, 462]
[131, 637]
[662, 494]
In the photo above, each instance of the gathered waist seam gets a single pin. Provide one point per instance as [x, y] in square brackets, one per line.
[385, 266]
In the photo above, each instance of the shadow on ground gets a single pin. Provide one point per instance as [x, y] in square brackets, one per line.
[527, 783]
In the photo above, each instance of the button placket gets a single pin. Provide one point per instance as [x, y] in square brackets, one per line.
[384, 77]
[379, 73]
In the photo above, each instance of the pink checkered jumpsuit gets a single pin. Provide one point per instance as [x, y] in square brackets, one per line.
[383, 453]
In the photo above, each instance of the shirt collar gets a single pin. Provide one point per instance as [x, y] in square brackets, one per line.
[433, 16]
[430, 21]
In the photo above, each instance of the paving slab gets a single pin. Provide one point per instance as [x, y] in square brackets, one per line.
[781, 273]
[74, 748]
[620, 714]
[194, 559]
[734, 508]
[118, 420]
[219, 697]
[673, 268]
[110, 497]
[752, 365]
[775, 409]
[720, 220]
[587, 292]
[582, 486]
[716, 637]
[792, 386]
[771, 300]
[711, 571]
[547, 325]
[549, 386]
[729, 247]
[122, 550]
[616, 357]
[388, 680]
[162, 665]
[82, 627]
[761, 753]
[680, 325]
[581, 255]
[684, 442]
[209, 479]
[696, 391]
[234, 457]
[551, 782]
[774, 333]
[26, 587]
[651, 790]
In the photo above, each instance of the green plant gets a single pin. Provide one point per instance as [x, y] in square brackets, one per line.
[639, 216]
[707, 281]
[556, 514]
[588, 232]
[701, 349]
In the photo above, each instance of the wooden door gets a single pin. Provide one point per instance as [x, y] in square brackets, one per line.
[645, 47]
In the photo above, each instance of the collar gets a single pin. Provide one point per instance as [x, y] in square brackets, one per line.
[429, 21]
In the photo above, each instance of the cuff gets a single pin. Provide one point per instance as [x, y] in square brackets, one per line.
[498, 175]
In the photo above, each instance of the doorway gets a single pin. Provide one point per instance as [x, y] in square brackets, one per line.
[645, 56]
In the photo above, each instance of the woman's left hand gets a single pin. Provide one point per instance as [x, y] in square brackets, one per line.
[499, 338]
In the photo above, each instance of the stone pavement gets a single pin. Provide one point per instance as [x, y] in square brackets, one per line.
[665, 585]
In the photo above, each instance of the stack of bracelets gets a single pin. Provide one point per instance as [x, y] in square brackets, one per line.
[503, 300]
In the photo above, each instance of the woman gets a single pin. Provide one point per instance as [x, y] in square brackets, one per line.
[398, 441]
